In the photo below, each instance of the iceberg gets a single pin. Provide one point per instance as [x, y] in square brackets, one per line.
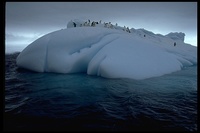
[107, 52]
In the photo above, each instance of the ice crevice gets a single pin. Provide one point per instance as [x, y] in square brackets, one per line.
[97, 43]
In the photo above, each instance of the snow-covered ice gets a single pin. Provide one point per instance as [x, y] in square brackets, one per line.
[106, 52]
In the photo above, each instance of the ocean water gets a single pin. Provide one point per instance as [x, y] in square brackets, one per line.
[79, 102]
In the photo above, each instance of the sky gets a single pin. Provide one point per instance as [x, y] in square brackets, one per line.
[27, 21]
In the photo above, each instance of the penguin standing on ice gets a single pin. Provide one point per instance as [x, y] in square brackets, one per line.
[74, 24]
[174, 44]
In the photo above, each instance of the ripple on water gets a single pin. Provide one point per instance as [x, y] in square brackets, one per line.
[64, 101]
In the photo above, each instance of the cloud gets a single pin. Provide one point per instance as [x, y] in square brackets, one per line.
[47, 14]
[20, 41]
[38, 18]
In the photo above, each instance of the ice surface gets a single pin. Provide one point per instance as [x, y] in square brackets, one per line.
[176, 36]
[106, 52]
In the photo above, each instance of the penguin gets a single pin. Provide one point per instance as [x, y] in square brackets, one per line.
[74, 24]
[174, 44]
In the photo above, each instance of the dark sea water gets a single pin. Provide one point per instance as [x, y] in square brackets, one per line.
[79, 102]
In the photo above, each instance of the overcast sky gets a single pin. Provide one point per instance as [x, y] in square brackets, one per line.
[26, 21]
